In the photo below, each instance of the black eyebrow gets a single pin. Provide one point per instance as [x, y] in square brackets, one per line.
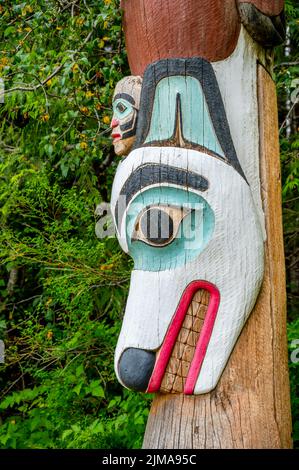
[153, 173]
[124, 96]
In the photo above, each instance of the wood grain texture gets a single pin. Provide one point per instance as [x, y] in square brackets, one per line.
[205, 28]
[268, 7]
[184, 349]
[250, 407]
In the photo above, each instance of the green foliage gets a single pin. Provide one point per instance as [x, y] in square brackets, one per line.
[62, 290]
[61, 315]
[293, 330]
[287, 72]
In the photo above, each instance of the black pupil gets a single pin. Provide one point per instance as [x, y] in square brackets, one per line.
[157, 226]
[121, 107]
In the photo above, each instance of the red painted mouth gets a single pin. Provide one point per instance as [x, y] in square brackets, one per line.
[173, 331]
[115, 137]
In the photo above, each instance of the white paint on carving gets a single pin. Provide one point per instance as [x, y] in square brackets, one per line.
[233, 261]
[237, 80]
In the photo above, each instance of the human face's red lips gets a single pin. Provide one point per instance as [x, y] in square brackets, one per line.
[115, 136]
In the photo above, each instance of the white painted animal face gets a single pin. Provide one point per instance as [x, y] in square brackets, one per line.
[219, 249]
[185, 213]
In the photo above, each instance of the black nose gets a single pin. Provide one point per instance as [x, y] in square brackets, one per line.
[135, 368]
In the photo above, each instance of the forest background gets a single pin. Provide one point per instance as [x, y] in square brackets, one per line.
[63, 290]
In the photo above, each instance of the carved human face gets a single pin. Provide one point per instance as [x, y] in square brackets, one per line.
[126, 101]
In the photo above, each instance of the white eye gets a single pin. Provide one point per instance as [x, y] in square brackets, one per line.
[158, 225]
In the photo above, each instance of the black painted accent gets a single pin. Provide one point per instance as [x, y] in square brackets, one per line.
[124, 96]
[203, 71]
[267, 31]
[153, 173]
[156, 226]
[129, 127]
[135, 368]
[178, 125]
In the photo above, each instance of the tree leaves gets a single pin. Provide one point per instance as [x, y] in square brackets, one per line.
[61, 322]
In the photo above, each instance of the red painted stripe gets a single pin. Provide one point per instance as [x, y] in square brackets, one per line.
[203, 340]
[174, 329]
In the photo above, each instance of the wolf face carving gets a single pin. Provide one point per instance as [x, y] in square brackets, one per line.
[183, 209]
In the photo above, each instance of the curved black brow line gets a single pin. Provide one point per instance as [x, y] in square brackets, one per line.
[149, 174]
[124, 96]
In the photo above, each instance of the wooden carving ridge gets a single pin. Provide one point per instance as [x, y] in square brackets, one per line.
[178, 140]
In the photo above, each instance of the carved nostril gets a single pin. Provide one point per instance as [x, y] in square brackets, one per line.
[135, 368]
[114, 123]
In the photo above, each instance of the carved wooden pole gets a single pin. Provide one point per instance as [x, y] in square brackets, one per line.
[196, 203]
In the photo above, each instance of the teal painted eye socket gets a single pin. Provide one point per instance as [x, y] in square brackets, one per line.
[122, 108]
[172, 243]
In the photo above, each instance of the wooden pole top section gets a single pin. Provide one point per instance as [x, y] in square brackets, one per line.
[182, 29]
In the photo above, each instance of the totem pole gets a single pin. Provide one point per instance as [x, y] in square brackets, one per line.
[196, 204]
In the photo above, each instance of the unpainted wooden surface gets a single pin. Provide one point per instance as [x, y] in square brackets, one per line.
[250, 407]
[184, 349]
